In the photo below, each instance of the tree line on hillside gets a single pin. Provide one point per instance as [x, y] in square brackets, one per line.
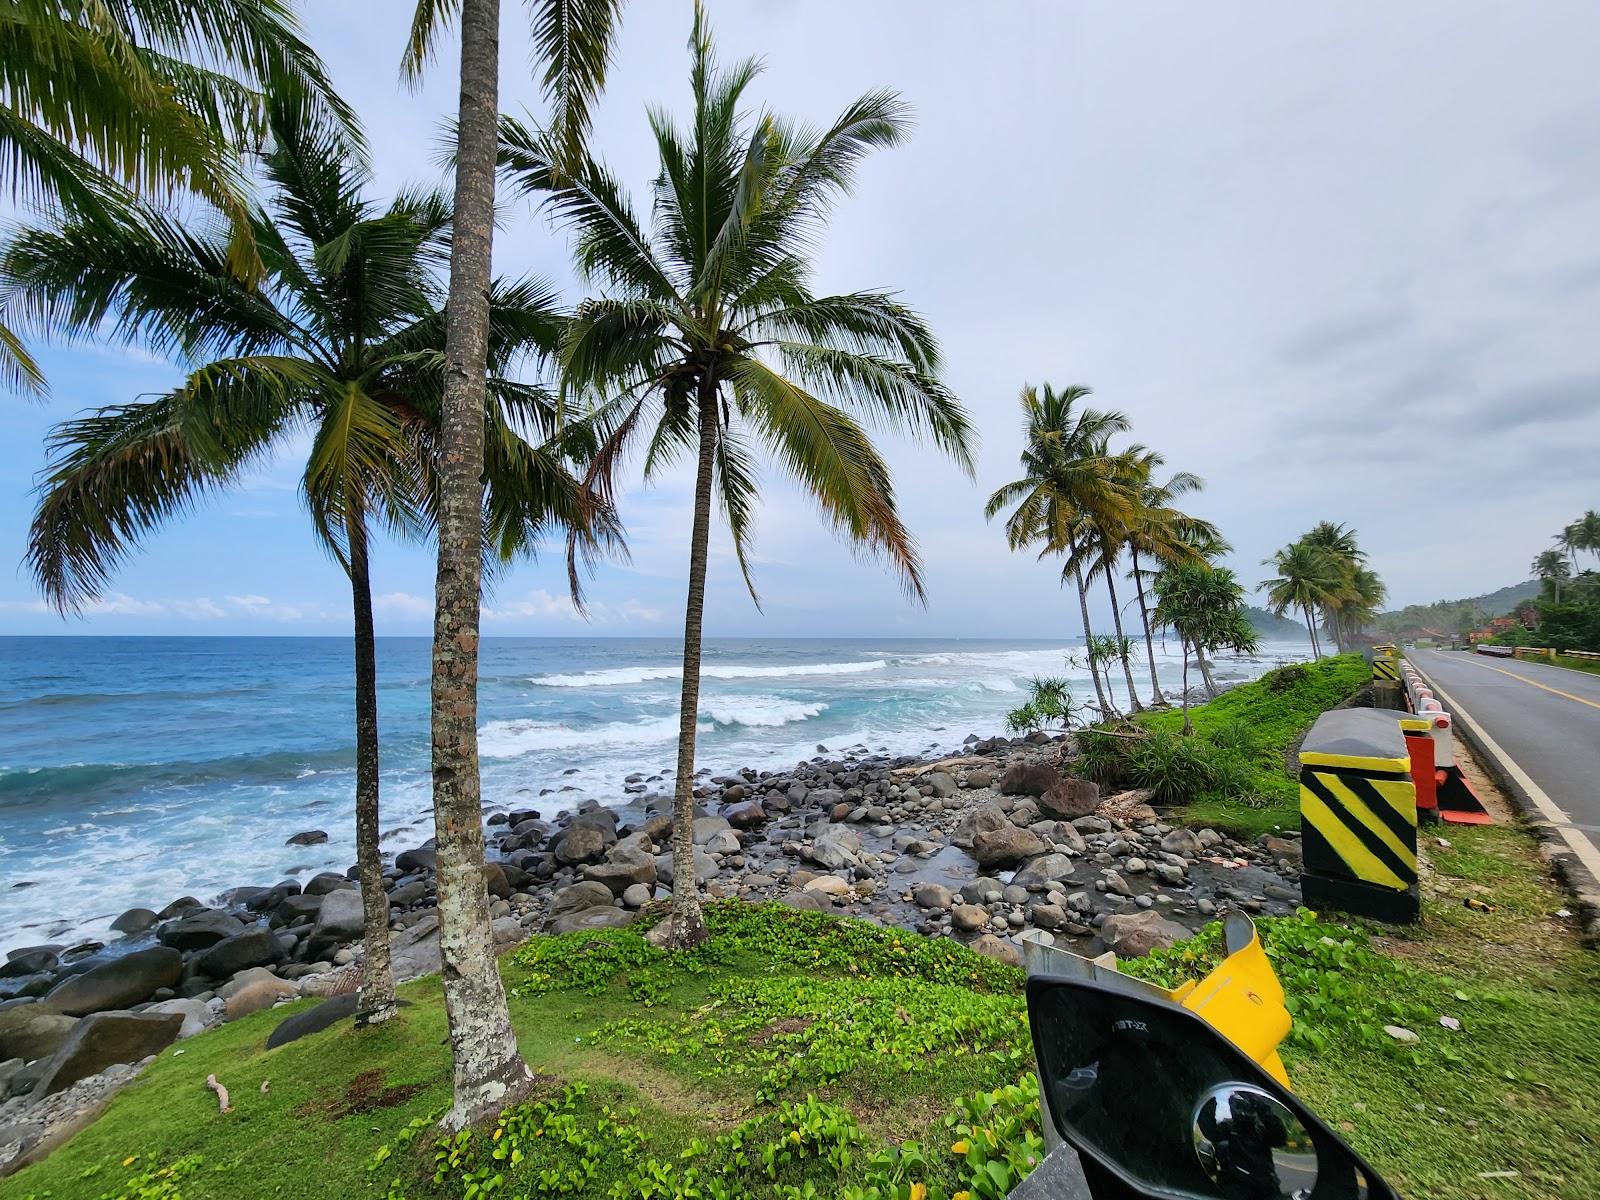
[197, 188]
[442, 400]
[1087, 504]
[1566, 613]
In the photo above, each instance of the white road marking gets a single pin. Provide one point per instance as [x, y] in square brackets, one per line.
[1580, 845]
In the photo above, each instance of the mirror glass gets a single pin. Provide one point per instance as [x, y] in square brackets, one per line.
[1250, 1144]
[1156, 1093]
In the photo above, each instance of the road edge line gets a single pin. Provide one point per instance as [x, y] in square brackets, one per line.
[1566, 849]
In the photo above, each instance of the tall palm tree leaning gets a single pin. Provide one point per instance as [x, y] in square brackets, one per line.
[152, 97]
[1307, 579]
[1338, 543]
[1068, 486]
[344, 336]
[1582, 534]
[710, 345]
[572, 39]
[1552, 567]
[1162, 533]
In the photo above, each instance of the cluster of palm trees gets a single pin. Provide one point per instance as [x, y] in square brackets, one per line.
[1099, 508]
[1557, 565]
[442, 400]
[1325, 576]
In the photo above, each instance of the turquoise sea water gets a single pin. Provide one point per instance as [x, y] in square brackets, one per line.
[135, 770]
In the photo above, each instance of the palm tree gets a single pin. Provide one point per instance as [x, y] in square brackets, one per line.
[572, 39]
[1552, 567]
[1583, 534]
[1158, 530]
[709, 342]
[1308, 578]
[153, 96]
[1338, 543]
[1102, 547]
[1067, 486]
[344, 337]
[1205, 606]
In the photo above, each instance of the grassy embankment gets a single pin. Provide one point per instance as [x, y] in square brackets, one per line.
[1577, 664]
[686, 1075]
[1236, 771]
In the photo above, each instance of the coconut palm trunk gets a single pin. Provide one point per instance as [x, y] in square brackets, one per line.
[1149, 641]
[1205, 672]
[1311, 629]
[377, 988]
[1122, 644]
[489, 1072]
[688, 925]
[1188, 726]
[1106, 710]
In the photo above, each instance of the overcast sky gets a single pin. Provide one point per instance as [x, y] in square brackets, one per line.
[1342, 261]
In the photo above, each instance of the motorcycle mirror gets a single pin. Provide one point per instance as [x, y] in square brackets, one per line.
[1158, 1100]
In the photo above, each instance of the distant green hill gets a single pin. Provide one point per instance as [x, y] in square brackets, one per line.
[1274, 627]
[1454, 616]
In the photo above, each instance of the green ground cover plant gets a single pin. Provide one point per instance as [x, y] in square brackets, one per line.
[1237, 770]
[801, 1055]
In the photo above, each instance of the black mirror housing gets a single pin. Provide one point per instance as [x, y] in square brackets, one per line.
[1157, 1099]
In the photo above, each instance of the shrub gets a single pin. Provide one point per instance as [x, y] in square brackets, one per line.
[1176, 768]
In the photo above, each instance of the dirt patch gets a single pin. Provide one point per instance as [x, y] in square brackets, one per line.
[778, 1028]
[364, 1094]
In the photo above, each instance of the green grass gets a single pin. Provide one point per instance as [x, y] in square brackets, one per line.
[1577, 664]
[1247, 781]
[802, 1051]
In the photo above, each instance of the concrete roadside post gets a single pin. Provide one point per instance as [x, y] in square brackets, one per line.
[1358, 816]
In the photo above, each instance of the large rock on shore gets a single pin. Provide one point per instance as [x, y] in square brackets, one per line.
[1028, 779]
[1070, 797]
[593, 918]
[1038, 873]
[135, 920]
[103, 1040]
[588, 894]
[29, 1032]
[1133, 935]
[252, 948]
[339, 920]
[986, 818]
[1006, 846]
[619, 877]
[314, 1020]
[117, 983]
[835, 848]
[199, 930]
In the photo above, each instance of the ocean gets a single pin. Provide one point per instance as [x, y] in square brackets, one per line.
[137, 770]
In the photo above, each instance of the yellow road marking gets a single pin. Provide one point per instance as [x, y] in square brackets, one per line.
[1533, 683]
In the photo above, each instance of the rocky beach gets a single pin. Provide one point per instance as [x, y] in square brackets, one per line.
[993, 845]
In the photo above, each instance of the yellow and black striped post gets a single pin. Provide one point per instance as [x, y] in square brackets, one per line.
[1358, 816]
[1386, 663]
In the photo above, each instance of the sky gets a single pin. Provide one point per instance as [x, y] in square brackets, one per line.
[1341, 261]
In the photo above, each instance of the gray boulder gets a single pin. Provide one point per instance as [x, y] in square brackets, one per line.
[581, 845]
[327, 881]
[1183, 841]
[619, 877]
[835, 848]
[117, 983]
[30, 961]
[103, 1040]
[588, 894]
[705, 867]
[591, 919]
[339, 920]
[199, 930]
[1132, 935]
[1039, 872]
[421, 858]
[309, 837]
[746, 815]
[196, 1015]
[29, 1032]
[294, 908]
[1070, 797]
[1028, 779]
[942, 783]
[984, 819]
[135, 920]
[706, 828]
[932, 895]
[969, 917]
[253, 948]
[1007, 846]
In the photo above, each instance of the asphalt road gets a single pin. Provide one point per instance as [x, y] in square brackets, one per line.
[1544, 718]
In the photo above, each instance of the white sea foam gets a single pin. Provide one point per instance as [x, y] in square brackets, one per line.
[762, 711]
[509, 739]
[622, 676]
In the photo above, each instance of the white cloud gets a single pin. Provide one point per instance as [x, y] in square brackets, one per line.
[540, 605]
[403, 604]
